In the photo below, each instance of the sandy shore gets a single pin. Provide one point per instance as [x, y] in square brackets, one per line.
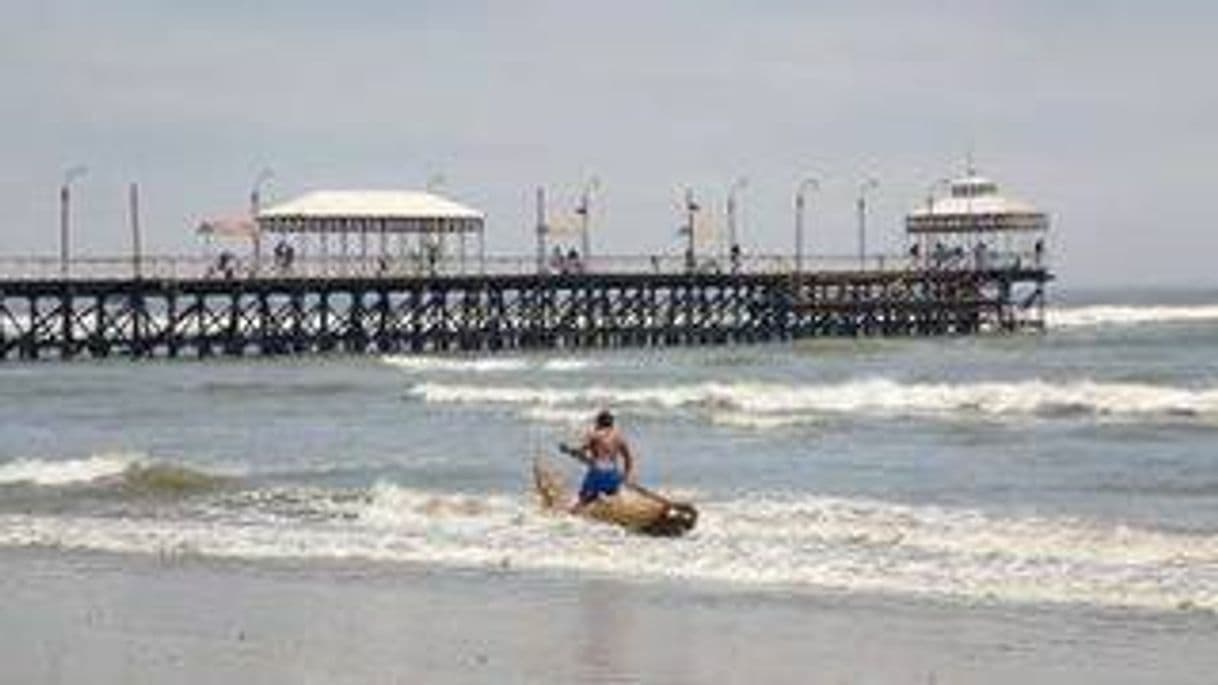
[70, 618]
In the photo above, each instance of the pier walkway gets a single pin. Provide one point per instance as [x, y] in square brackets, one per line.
[191, 307]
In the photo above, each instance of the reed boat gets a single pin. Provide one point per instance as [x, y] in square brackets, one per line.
[633, 507]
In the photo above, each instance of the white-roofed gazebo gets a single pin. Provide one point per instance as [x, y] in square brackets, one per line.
[391, 228]
[975, 224]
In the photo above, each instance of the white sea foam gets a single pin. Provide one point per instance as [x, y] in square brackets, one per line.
[776, 404]
[454, 364]
[760, 422]
[666, 396]
[1123, 315]
[566, 364]
[424, 364]
[758, 540]
[66, 472]
[566, 417]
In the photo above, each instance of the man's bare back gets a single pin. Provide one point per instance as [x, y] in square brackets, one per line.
[606, 445]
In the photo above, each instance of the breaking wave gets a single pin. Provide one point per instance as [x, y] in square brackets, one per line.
[1125, 315]
[67, 472]
[128, 472]
[755, 540]
[771, 404]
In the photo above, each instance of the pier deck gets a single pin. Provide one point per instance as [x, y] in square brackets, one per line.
[68, 318]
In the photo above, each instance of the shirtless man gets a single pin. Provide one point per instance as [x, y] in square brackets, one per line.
[605, 445]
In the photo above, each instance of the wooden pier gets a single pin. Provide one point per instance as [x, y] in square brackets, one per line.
[282, 314]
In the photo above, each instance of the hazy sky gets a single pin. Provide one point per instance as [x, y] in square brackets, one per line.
[1103, 113]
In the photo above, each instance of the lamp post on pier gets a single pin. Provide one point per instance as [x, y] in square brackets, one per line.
[733, 233]
[542, 230]
[434, 244]
[256, 190]
[691, 212]
[806, 185]
[864, 187]
[255, 205]
[930, 192]
[919, 252]
[65, 220]
[133, 209]
[733, 193]
[584, 211]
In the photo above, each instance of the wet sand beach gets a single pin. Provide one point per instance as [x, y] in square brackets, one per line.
[114, 619]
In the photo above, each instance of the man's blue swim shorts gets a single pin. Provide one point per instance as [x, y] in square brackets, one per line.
[599, 481]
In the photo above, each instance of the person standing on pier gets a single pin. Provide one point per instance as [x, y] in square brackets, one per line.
[605, 447]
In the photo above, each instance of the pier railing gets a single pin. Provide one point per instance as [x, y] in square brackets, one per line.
[190, 267]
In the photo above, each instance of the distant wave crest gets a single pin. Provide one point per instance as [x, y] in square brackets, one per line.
[773, 405]
[435, 363]
[1126, 315]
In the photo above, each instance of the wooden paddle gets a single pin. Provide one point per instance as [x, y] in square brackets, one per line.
[681, 516]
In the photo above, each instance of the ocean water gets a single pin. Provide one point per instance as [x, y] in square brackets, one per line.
[1071, 473]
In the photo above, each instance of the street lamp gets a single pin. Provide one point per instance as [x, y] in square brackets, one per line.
[930, 192]
[434, 243]
[733, 239]
[256, 190]
[584, 210]
[919, 249]
[65, 196]
[255, 205]
[691, 211]
[864, 187]
[137, 250]
[801, 192]
[542, 230]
